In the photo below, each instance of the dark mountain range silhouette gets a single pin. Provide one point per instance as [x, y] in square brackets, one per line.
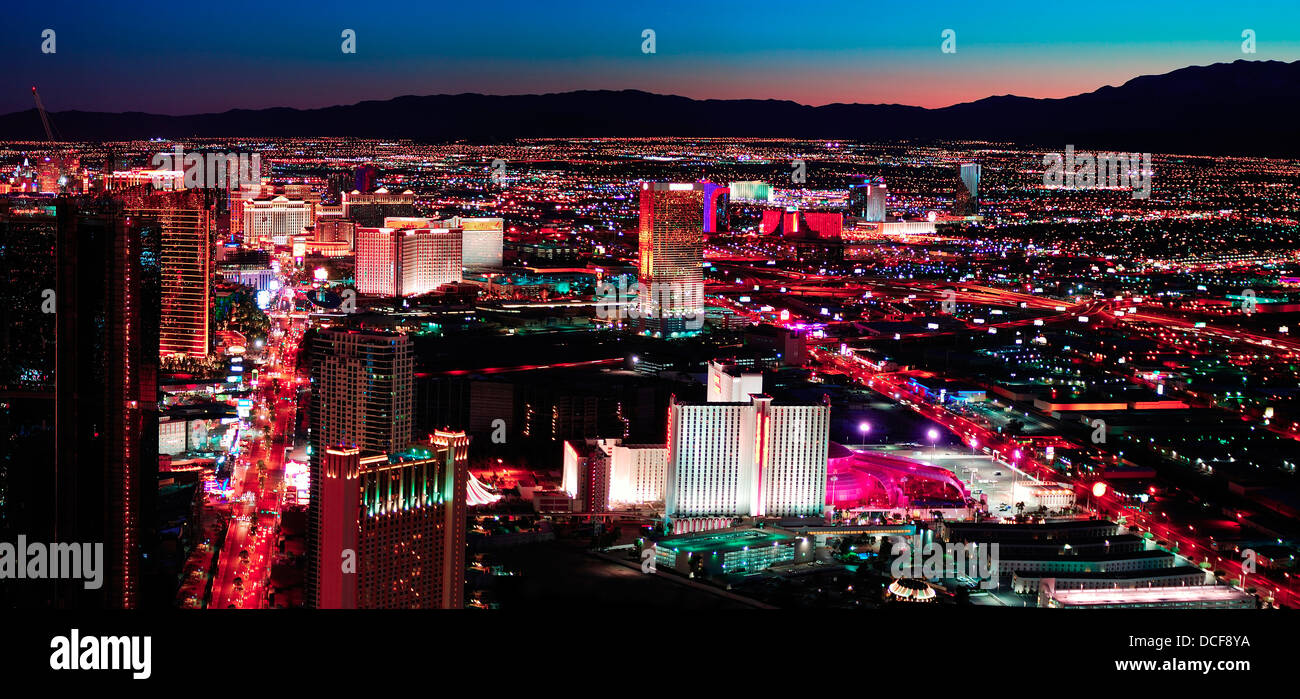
[1243, 107]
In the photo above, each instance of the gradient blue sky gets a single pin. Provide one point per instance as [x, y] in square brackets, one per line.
[195, 56]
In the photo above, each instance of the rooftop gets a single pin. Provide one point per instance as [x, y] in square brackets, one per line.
[725, 539]
[1151, 595]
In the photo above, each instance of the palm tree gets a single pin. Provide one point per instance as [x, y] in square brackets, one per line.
[697, 567]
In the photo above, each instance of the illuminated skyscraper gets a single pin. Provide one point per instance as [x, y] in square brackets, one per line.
[970, 176]
[376, 261]
[335, 229]
[482, 239]
[361, 397]
[966, 200]
[238, 199]
[427, 259]
[758, 457]
[407, 261]
[867, 200]
[337, 514]
[637, 473]
[605, 473]
[453, 486]
[671, 246]
[186, 220]
[58, 173]
[586, 474]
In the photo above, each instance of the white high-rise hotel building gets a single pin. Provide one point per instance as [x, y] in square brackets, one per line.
[637, 473]
[729, 383]
[483, 240]
[754, 458]
[606, 473]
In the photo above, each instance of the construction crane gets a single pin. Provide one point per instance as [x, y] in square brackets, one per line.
[45, 118]
[49, 134]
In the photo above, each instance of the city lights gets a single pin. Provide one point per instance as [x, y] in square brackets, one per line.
[542, 314]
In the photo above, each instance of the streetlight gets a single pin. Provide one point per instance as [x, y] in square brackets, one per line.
[834, 501]
[933, 434]
[864, 427]
[1098, 490]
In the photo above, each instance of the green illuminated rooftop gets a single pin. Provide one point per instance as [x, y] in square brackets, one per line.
[725, 540]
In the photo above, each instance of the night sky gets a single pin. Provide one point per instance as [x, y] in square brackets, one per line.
[187, 57]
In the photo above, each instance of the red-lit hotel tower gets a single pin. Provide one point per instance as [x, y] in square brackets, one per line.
[671, 246]
[186, 220]
[395, 525]
[450, 535]
[407, 262]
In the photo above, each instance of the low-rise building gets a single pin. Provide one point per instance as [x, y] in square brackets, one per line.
[1190, 597]
[732, 551]
[1028, 583]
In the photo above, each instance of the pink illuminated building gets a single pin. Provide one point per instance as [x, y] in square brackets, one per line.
[407, 261]
[867, 479]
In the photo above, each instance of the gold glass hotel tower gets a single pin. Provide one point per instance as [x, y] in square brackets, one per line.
[671, 245]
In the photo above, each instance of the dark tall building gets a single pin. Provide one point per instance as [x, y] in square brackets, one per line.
[28, 235]
[966, 200]
[337, 182]
[716, 199]
[106, 422]
[366, 177]
[369, 208]
[92, 375]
